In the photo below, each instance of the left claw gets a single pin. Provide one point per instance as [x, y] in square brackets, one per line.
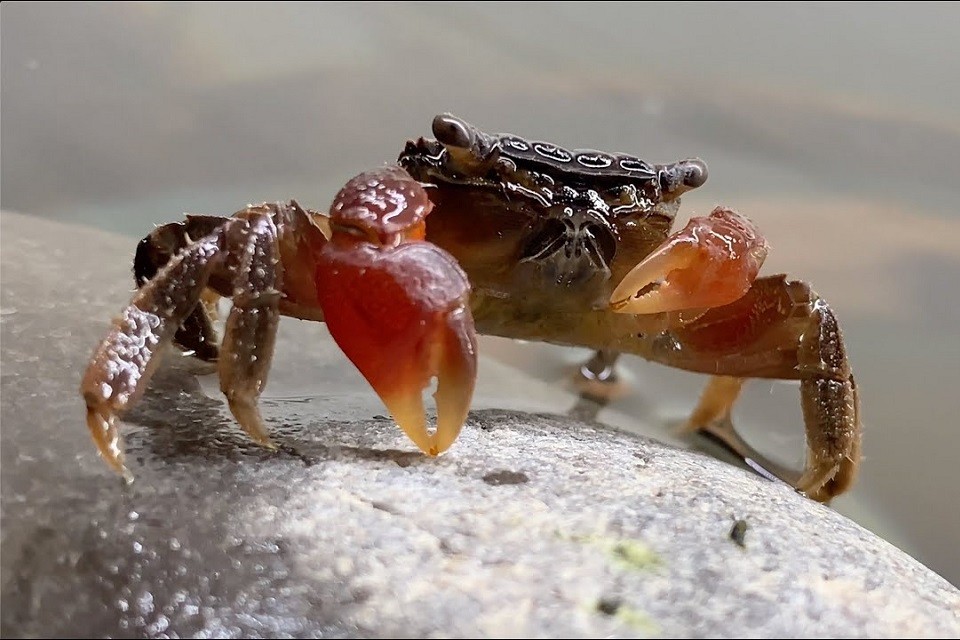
[709, 263]
[397, 306]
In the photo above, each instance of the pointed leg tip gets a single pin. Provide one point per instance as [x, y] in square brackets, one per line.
[824, 484]
[268, 444]
[102, 425]
[244, 408]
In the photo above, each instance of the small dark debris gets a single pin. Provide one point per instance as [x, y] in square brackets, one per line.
[307, 460]
[447, 548]
[497, 478]
[380, 418]
[360, 595]
[383, 506]
[738, 532]
[609, 605]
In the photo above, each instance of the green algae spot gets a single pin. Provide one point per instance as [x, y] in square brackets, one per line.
[627, 552]
[637, 619]
[635, 555]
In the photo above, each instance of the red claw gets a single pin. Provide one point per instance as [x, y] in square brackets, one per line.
[709, 263]
[397, 306]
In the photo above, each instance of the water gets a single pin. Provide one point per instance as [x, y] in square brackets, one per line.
[836, 128]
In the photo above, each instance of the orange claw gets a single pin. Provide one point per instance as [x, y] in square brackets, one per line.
[397, 306]
[709, 263]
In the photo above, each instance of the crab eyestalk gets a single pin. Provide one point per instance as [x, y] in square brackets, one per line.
[397, 306]
[680, 177]
[709, 263]
[470, 150]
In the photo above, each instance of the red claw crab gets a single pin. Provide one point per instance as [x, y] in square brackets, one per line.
[505, 236]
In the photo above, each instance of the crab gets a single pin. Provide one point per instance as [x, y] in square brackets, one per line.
[473, 232]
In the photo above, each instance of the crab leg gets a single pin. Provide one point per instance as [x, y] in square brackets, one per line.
[124, 362]
[780, 329]
[597, 378]
[712, 417]
[718, 319]
[398, 306]
[775, 329]
[197, 333]
[251, 329]
[242, 251]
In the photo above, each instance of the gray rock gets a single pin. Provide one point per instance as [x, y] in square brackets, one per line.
[533, 525]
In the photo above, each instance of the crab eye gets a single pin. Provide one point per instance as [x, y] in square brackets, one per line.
[452, 131]
[680, 177]
[694, 173]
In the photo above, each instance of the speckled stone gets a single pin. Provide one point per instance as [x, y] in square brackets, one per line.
[533, 525]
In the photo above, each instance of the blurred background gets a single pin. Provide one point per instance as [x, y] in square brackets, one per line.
[835, 127]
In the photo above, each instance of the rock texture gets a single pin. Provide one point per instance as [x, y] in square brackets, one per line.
[533, 525]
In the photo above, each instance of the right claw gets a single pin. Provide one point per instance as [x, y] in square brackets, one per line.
[401, 315]
[397, 306]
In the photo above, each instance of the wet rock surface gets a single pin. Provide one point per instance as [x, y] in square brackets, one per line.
[532, 525]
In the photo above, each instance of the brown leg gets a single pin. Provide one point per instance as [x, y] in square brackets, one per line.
[123, 363]
[716, 402]
[783, 330]
[831, 408]
[597, 379]
[196, 334]
[251, 329]
[778, 329]
[712, 417]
